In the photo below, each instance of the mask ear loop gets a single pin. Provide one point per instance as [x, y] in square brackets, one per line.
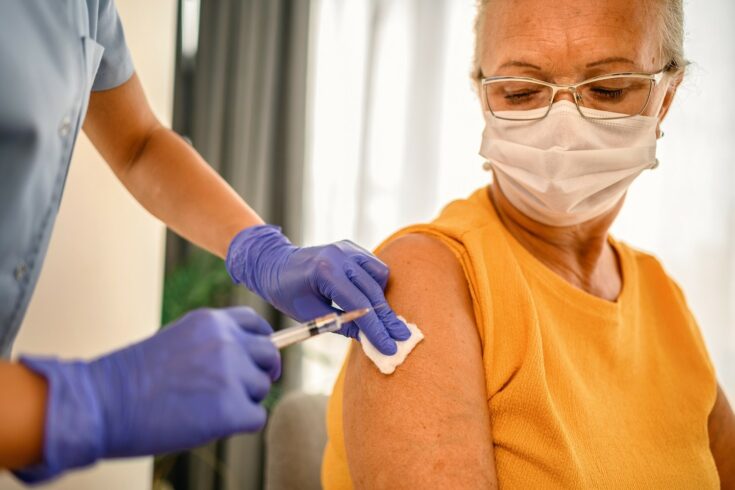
[656, 163]
[658, 137]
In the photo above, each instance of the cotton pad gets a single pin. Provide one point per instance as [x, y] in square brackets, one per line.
[388, 364]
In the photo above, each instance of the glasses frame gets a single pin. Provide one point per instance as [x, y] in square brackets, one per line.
[556, 88]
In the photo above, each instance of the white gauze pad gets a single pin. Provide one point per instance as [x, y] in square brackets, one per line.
[388, 364]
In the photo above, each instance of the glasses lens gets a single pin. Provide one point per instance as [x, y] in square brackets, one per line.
[513, 99]
[614, 97]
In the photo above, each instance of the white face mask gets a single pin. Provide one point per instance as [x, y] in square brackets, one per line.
[564, 169]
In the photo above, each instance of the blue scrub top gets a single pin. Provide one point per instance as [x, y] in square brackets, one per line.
[52, 54]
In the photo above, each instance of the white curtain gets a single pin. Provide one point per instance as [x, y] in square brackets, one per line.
[396, 126]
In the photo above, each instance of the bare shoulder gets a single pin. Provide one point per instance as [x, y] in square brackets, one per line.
[428, 422]
[428, 287]
[425, 276]
[419, 244]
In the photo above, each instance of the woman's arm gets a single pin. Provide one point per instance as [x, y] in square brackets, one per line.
[164, 173]
[22, 412]
[427, 425]
[722, 439]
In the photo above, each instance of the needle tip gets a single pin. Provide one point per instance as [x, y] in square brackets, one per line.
[354, 315]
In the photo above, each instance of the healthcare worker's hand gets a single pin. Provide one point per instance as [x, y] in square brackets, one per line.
[303, 282]
[201, 379]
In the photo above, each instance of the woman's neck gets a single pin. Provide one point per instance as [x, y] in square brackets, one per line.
[580, 254]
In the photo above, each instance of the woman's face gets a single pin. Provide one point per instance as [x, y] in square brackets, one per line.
[567, 41]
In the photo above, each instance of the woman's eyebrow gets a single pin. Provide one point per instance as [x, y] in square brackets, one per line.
[605, 61]
[519, 64]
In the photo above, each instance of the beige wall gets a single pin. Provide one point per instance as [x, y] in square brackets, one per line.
[101, 284]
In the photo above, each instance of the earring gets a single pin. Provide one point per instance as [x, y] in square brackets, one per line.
[487, 166]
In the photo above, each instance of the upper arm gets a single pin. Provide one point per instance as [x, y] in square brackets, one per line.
[722, 439]
[427, 425]
[118, 117]
[119, 121]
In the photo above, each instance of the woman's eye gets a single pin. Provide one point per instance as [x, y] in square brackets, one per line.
[610, 94]
[519, 97]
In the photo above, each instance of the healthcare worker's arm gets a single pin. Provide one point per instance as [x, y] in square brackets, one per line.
[172, 181]
[427, 425]
[200, 379]
[22, 409]
[722, 439]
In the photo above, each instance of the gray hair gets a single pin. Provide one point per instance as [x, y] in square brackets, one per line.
[671, 16]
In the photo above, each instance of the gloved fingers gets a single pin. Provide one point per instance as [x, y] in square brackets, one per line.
[252, 419]
[366, 282]
[350, 330]
[376, 332]
[397, 329]
[351, 248]
[313, 306]
[257, 384]
[240, 414]
[248, 320]
[375, 267]
[342, 291]
[263, 353]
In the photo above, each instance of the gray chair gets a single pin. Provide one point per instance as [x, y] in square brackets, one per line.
[294, 443]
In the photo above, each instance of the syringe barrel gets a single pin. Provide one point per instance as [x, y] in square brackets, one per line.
[289, 336]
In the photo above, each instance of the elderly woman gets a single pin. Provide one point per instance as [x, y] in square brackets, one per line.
[555, 356]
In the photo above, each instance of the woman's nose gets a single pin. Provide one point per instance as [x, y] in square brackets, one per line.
[567, 95]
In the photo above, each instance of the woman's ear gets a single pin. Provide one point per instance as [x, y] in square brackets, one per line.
[668, 99]
[476, 80]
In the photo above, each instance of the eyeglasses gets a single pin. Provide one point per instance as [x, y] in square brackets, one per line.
[606, 97]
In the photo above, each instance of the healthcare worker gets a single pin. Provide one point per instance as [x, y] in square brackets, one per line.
[64, 66]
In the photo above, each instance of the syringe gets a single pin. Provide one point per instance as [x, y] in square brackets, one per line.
[327, 323]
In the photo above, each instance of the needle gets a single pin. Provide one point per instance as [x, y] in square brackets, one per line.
[327, 323]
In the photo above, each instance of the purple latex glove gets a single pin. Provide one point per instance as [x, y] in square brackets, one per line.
[303, 282]
[199, 380]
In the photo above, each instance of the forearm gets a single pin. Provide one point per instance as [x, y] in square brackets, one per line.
[22, 414]
[172, 181]
[164, 173]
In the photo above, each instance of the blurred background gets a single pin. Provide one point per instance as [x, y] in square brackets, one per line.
[344, 119]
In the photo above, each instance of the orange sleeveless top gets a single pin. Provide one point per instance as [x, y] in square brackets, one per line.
[582, 392]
